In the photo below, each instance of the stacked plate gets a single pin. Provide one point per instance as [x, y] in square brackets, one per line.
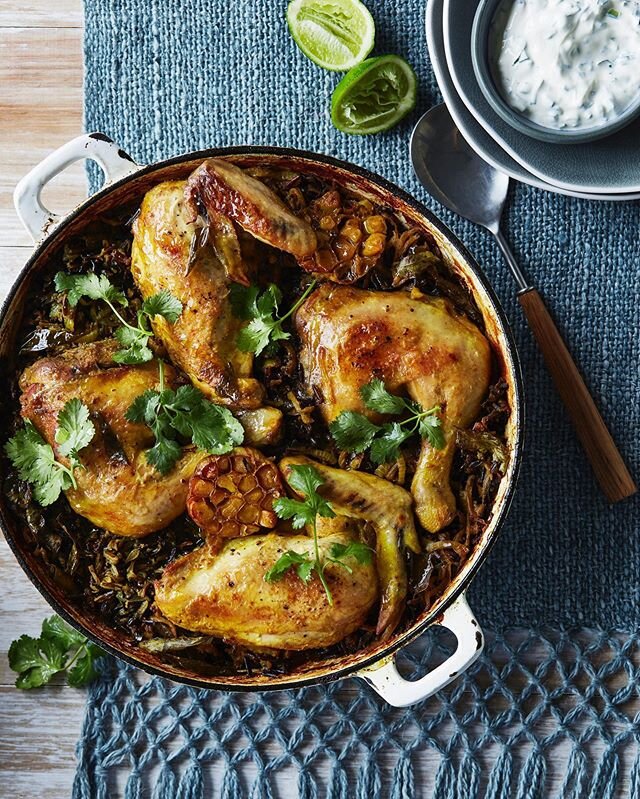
[607, 169]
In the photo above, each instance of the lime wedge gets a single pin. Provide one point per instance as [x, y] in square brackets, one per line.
[374, 96]
[334, 34]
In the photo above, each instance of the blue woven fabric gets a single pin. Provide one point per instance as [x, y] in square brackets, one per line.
[163, 77]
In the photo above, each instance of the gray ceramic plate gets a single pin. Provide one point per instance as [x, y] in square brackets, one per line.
[469, 126]
[606, 166]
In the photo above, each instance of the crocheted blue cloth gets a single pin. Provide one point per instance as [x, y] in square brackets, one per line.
[167, 76]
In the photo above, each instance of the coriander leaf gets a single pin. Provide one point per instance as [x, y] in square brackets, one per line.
[377, 398]
[353, 432]
[163, 304]
[300, 512]
[35, 462]
[58, 630]
[304, 480]
[354, 549]
[386, 447]
[286, 561]
[265, 326]
[187, 398]
[90, 285]
[84, 671]
[214, 428]
[134, 340]
[134, 344]
[255, 337]
[243, 301]
[25, 449]
[430, 427]
[268, 302]
[144, 407]
[58, 648]
[24, 653]
[36, 660]
[305, 569]
[185, 412]
[164, 454]
[75, 429]
[46, 493]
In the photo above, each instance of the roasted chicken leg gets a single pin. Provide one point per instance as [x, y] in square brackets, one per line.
[202, 340]
[350, 336]
[117, 489]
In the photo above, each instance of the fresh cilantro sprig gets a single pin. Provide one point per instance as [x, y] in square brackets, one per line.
[59, 648]
[354, 432]
[261, 310]
[306, 480]
[187, 413]
[35, 460]
[133, 339]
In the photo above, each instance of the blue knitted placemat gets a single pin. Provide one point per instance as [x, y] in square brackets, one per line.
[167, 76]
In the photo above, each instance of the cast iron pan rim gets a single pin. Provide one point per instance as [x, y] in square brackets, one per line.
[519, 409]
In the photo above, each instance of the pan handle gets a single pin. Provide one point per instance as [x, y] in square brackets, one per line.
[113, 161]
[386, 680]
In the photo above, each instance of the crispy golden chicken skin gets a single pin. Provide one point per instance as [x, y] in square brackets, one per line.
[350, 336]
[221, 188]
[226, 595]
[117, 489]
[202, 341]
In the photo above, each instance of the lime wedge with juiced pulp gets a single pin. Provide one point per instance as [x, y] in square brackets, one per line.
[335, 34]
[374, 96]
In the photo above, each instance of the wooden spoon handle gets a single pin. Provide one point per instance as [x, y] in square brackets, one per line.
[608, 466]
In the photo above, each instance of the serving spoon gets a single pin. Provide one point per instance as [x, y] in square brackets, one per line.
[461, 180]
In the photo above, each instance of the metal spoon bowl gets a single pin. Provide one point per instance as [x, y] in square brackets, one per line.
[461, 180]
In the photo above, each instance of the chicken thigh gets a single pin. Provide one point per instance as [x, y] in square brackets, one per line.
[419, 344]
[116, 489]
[202, 341]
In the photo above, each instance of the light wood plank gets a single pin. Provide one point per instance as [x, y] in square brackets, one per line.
[40, 109]
[41, 14]
[37, 742]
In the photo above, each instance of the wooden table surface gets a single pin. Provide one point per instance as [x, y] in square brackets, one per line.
[40, 109]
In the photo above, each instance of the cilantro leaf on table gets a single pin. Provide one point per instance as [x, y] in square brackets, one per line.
[184, 412]
[59, 648]
[35, 460]
[133, 339]
[354, 432]
[305, 480]
[261, 311]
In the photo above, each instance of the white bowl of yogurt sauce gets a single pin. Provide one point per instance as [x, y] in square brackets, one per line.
[559, 70]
